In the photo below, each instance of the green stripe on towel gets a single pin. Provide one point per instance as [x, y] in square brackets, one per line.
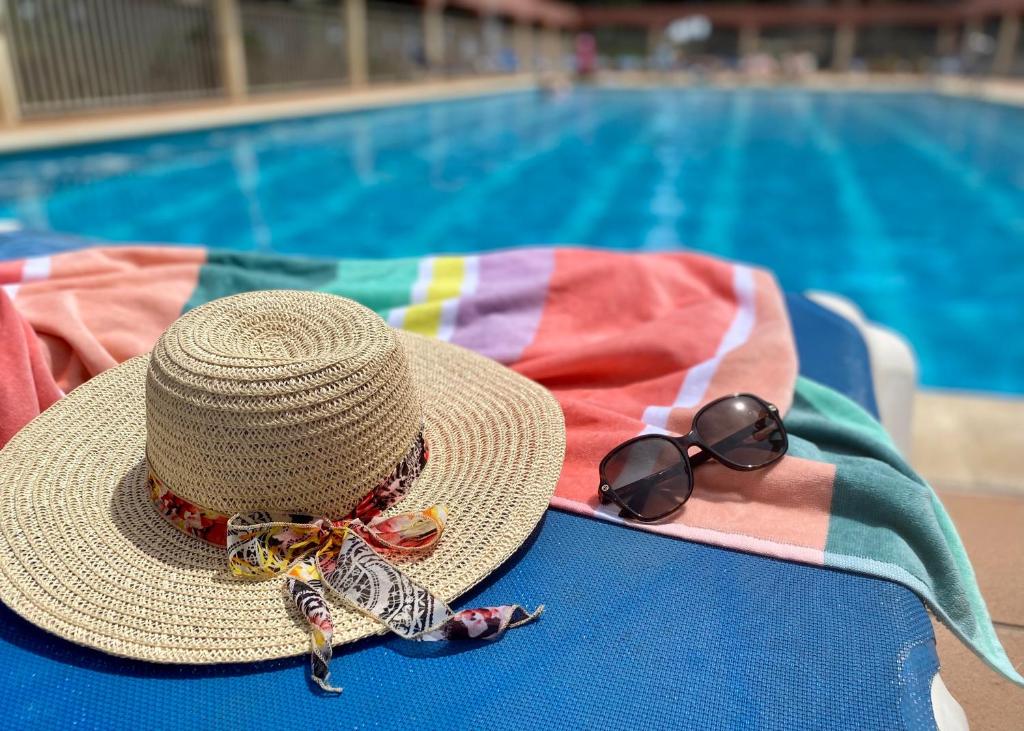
[886, 521]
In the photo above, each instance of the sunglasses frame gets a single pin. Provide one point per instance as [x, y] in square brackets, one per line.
[683, 443]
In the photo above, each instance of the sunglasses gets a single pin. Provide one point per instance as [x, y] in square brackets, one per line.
[651, 476]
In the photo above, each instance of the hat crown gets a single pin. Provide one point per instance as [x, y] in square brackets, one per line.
[282, 401]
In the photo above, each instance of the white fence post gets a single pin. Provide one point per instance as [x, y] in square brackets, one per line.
[552, 43]
[971, 28]
[433, 35]
[355, 34]
[10, 105]
[523, 35]
[231, 49]
[749, 40]
[843, 46]
[1006, 44]
[945, 40]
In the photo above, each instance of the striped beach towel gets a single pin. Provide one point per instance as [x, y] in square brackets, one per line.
[628, 343]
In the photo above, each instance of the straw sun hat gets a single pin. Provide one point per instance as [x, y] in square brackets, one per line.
[253, 417]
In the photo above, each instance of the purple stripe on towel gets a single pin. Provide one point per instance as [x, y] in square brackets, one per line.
[501, 317]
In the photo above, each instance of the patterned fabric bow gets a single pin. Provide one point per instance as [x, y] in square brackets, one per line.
[343, 555]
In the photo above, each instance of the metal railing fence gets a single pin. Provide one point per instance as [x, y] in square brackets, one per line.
[463, 45]
[819, 41]
[394, 38]
[81, 54]
[70, 56]
[67, 56]
[290, 46]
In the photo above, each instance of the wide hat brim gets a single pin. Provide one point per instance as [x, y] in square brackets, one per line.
[85, 554]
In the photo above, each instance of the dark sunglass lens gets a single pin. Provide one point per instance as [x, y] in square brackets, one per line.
[742, 430]
[649, 476]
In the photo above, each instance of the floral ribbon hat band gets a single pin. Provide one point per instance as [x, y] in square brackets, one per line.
[235, 494]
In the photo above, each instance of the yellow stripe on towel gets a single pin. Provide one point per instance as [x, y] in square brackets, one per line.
[429, 316]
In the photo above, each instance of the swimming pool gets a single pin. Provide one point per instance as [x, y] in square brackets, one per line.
[910, 204]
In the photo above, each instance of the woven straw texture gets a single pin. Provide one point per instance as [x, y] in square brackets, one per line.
[84, 554]
[287, 401]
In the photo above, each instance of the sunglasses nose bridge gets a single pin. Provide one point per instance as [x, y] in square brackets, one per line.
[694, 450]
[686, 441]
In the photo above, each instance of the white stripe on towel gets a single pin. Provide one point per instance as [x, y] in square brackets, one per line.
[698, 378]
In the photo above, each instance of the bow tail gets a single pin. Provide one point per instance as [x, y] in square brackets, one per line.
[305, 587]
[348, 565]
[370, 583]
[485, 623]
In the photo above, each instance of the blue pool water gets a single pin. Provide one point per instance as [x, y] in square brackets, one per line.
[910, 204]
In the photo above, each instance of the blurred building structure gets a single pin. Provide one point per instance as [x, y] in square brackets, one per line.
[969, 36]
[60, 57]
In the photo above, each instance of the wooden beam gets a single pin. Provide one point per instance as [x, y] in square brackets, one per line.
[980, 8]
[736, 16]
[551, 13]
[565, 15]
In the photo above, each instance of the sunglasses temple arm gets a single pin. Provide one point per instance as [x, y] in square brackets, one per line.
[643, 482]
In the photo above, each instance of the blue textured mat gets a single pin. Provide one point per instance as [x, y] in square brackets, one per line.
[641, 631]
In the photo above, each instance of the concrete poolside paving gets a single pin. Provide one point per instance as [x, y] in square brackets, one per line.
[990, 702]
[992, 528]
[123, 123]
[119, 123]
[970, 443]
[970, 448]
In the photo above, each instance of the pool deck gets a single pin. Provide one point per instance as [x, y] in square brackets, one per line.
[969, 443]
[992, 529]
[109, 124]
[1000, 90]
[968, 446]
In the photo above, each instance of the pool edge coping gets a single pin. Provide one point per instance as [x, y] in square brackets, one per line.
[150, 122]
[123, 124]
